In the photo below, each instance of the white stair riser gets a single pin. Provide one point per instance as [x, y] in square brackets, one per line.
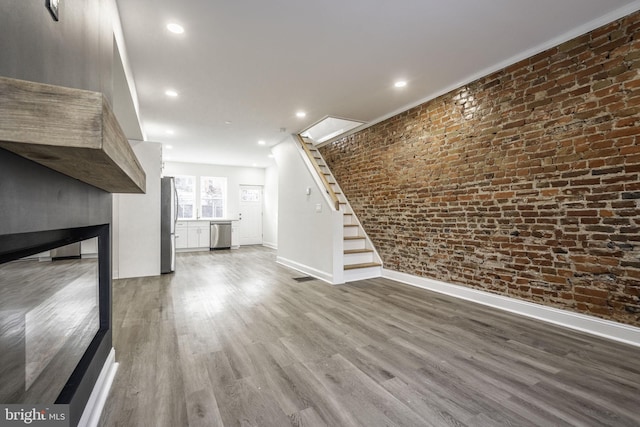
[359, 258]
[351, 231]
[362, 273]
[354, 244]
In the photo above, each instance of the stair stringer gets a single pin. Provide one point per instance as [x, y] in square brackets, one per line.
[337, 229]
[350, 274]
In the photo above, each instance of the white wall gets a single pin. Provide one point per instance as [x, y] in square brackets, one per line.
[305, 236]
[270, 217]
[136, 220]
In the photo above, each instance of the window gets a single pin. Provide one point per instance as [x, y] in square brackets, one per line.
[186, 188]
[213, 196]
[250, 194]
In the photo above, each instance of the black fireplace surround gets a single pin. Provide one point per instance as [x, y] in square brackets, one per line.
[79, 385]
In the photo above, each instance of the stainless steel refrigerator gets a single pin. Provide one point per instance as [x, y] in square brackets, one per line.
[168, 218]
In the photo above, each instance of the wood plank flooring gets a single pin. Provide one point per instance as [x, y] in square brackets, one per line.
[231, 339]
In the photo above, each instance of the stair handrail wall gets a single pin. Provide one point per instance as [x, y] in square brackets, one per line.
[323, 178]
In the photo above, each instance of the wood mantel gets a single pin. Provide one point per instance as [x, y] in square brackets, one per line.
[71, 131]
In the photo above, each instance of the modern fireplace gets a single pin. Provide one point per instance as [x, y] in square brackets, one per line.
[55, 319]
[62, 156]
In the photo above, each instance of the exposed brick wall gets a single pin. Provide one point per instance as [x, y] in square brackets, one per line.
[523, 183]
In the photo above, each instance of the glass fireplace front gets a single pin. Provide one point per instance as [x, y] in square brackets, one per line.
[50, 312]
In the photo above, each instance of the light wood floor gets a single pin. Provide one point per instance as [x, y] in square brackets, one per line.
[231, 339]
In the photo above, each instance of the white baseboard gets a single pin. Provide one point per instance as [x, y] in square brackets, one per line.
[270, 245]
[309, 271]
[95, 404]
[580, 322]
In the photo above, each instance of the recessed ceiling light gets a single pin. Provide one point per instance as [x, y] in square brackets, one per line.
[227, 122]
[169, 147]
[271, 156]
[301, 114]
[400, 83]
[175, 28]
[171, 93]
[254, 164]
[261, 142]
[169, 132]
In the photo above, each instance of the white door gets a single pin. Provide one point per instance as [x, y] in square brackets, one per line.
[250, 216]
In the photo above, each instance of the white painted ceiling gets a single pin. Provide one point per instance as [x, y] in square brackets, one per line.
[255, 63]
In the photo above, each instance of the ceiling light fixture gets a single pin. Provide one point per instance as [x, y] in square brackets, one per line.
[169, 132]
[175, 28]
[261, 142]
[301, 114]
[171, 93]
[169, 147]
[400, 83]
[271, 156]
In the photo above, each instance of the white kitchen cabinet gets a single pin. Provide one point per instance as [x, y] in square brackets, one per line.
[192, 235]
[201, 236]
[181, 235]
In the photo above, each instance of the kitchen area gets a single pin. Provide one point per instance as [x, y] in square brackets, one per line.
[180, 234]
[140, 248]
[206, 234]
[213, 207]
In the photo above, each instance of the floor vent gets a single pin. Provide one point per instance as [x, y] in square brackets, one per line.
[304, 278]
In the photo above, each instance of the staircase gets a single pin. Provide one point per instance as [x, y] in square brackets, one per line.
[360, 260]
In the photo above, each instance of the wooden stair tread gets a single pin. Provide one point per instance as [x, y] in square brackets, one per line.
[357, 251]
[350, 225]
[354, 238]
[363, 265]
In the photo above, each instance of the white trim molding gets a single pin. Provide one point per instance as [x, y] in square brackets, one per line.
[98, 398]
[309, 271]
[270, 245]
[592, 325]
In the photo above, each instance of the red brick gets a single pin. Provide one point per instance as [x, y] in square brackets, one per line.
[552, 151]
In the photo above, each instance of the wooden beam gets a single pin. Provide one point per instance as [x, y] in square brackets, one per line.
[72, 131]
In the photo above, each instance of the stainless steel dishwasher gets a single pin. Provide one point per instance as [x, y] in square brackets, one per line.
[220, 235]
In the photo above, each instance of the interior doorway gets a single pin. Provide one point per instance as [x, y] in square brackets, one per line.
[250, 216]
